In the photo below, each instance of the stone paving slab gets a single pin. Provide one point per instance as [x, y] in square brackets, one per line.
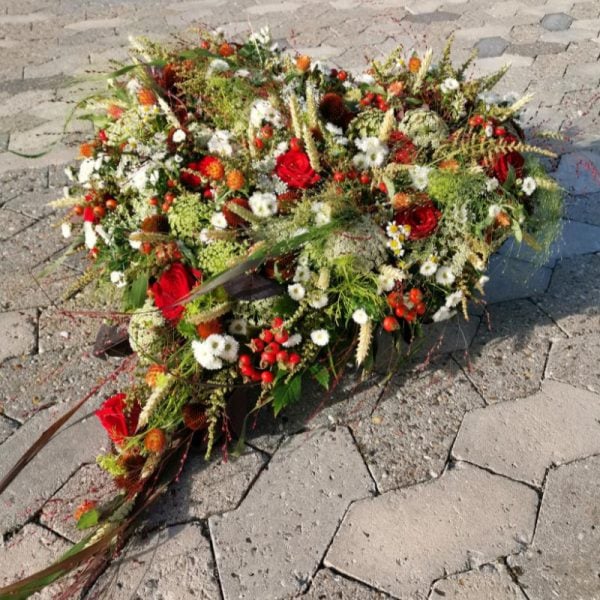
[307, 487]
[563, 561]
[576, 361]
[18, 334]
[408, 437]
[523, 438]
[328, 585]
[7, 428]
[579, 172]
[585, 209]
[401, 541]
[489, 582]
[175, 562]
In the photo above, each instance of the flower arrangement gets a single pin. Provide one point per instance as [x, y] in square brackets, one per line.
[263, 217]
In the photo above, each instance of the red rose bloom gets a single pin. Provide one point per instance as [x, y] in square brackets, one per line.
[404, 151]
[503, 162]
[174, 284]
[293, 167]
[421, 218]
[118, 425]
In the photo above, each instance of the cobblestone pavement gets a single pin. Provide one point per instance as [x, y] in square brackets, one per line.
[476, 478]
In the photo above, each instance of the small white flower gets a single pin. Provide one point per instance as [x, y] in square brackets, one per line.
[494, 210]
[219, 143]
[373, 152]
[360, 316]
[445, 276]
[385, 284]
[428, 268]
[133, 86]
[491, 184]
[483, 280]
[238, 327]
[419, 176]
[179, 136]
[205, 236]
[218, 220]
[292, 341]
[118, 278]
[263, 110]
[296, 291]
[217, 66]
[319, 300]
[529, 185]
[322, 218]
[449, 85]
[90, 235]
[320, 337]
[135, 244]
[302, 274]
[489, 130]
[205, 357]
[454, 299]
[65, 229]
[334, 129]
[86, 168]
[443, 314]
[216, 343]
[230, 349]
[365, 78]
[263, 204]
[242, 73]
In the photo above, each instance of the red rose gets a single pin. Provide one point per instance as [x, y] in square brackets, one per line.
[404, 151]
[118, 425]
[174, 284]
[503, 162]
[293, 167]
[421, 218]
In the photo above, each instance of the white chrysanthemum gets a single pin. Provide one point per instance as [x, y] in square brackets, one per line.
[443, 314]
[230, 349]
[205, 357]
[219, 143]
[320, 337]
[86, 168]
[491, 184]
[385, 283]
[263, 204]
[89, 234]
[428, 268]
[238, 327]
[135, 244]
[454, 299]
[445, 276]
[373, 152]
[322, 212]
[65, 229]
[263, 110]
[139, 179]
[302, 274]
[179, 136]
[494, 210]
[216, 343]
[118, 278]
[296, 291]
[419, 176]
[218, 220]
[217, 66]
[529, 185]
[360, 316]
[292, 341]
[319, 301]
[133, 86]
[449, 85]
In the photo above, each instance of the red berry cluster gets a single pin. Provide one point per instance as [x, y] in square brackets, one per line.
[477, 121]
[267, 347]
[405, 306]
[371, 99]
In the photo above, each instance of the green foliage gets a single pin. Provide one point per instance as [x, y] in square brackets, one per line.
[188, 216]
[88, 519]
[135, 294]
[219, 255]
[286, 393]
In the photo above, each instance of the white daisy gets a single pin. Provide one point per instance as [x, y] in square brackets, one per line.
[179, 136]
[218, 220]
[529, 185]
[419, 176]
[373, 152]
[491, 184]
[428, 268]
[263, 204]
[292, 341]
[118, 278]
[296, 291]
[360, 316]
[302, 274]
[319, 301]
[445, 276]
[205, 356]
[219, 143]
[449, 85]
[238, 327]
[320, 337]
[385, 284]
[216, 343]
[454, 299]
[443, 314]
[230, 348]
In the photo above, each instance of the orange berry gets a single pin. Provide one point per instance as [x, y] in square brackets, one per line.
[84, 507]
[153, 372]
[111, 204]
[146, 97]
[303, 63]
[86, 149]
[99, 211]
[414, 64]
[146, 248]
[155, 440]
[226, 49]
[235, 180]
[415, 295]
[194, 417]
[78, 210]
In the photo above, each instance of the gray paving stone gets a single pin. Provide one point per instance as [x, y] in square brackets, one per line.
[523, 438]
[490, 582]
[328, 585]
[89, 483]
[572, 297]
[31, 549]
[408, 437]
[511, 279]
[80, 441]
[18, 335]
[175, 562]
[585, 10]
[508, 356]
[585, 209]
[432, 17]
[491, 46]
[576, 361]
[535, 49]
[557, 22]
[563, 561]
[205, 489]
[7, 428]
[309, 484]
[12, 223]
[401, 541]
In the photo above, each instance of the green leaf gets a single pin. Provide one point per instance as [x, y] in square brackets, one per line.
[286, 394]
[88, 519]
[136, 293]
[321, 375]
[516, 229]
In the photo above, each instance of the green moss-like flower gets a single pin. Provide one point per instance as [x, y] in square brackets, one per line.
[424, 127]
[188, 215]
[219, 255]
[146, 330]
[449, 187]
[256, 313]
[366, 124]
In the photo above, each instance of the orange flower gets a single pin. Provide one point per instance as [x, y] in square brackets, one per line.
[396, 88]
[208, 328]
[155, 440]
[235, 180]
[114, 111]
[400, 201]
[414, 64]
[450, 165]
[194, 417]
[146, 97]
[226, 50]
[211, 167]
[153, 372]
[86, 150]
[84, 507]
[502, 219]
[303, 63]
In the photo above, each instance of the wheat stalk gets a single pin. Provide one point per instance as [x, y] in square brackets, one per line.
[365, 336]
